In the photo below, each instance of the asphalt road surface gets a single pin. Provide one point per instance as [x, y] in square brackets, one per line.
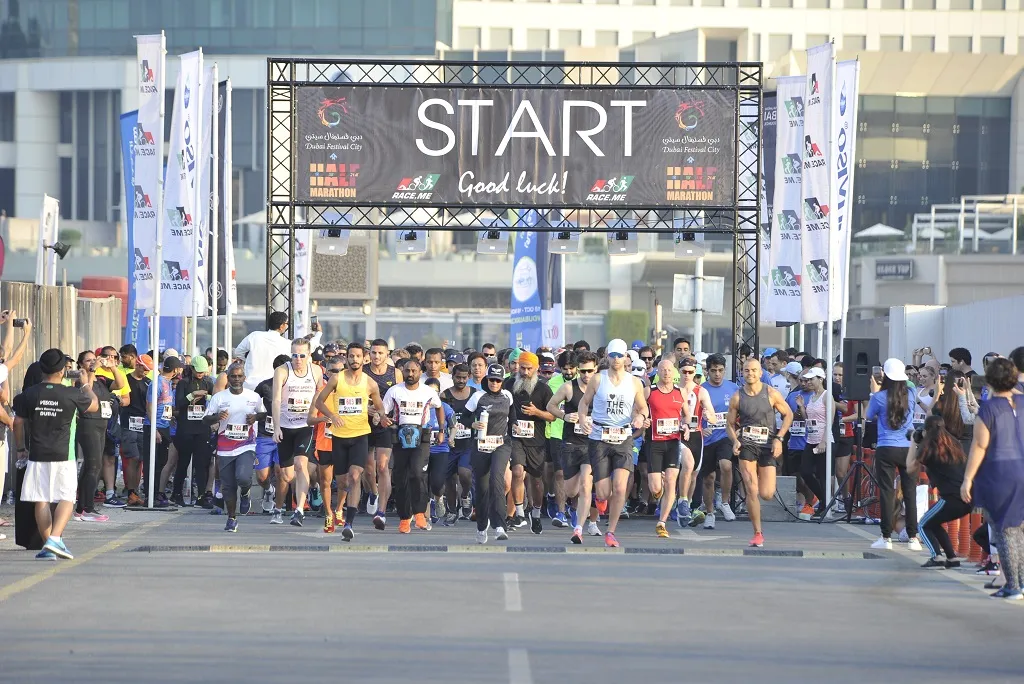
[170, 597]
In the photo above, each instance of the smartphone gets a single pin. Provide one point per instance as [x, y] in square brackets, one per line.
[927, 350]
[19, 322]
[942, 373]
[73, 374]
[960, 383]
[876, 372]
[313, 320]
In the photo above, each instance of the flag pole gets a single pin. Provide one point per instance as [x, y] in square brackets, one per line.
[229, 215]
[213, 291]
[154, 395]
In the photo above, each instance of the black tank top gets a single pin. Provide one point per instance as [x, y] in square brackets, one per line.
[572, 405]
[462, 416]
[385, 380]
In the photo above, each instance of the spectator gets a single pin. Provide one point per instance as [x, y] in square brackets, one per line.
[1017, 357]
[957, 408]
[944, 460]
[960, 360]
[260, 348]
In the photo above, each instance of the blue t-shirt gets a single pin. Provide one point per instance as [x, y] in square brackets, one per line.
[720, 397]
[797, 441]
[164, 403]
[887, 435]
[474, 384]
[449, 421]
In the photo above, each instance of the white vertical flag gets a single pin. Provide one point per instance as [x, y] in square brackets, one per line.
[815, 233]
[204, 205]
[148, 166]
[786, 260]
[46, 259]
[179, 240]
[227, 206]
[303, 278]
[844, 146]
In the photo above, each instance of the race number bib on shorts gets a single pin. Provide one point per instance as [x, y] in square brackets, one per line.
[798, 428]
[814, 431]
[667, 426]
[755, 435]
[237, 431]
[614, 435]
[269, 424]
[105, 410]
[411, 411]
[296, 405]
[489, 443]
[579, 429]
[718, 425]
[350, 406]
[135, 423]
[196, 412]
[523, 429]
[462, 432]
[167, 412]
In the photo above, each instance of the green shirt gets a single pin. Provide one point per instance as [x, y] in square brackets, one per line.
[553, 430]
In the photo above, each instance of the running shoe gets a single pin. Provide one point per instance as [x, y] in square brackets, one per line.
[1009, 594]
[433, 510]
[441, 508]
[574, 517]
[421, 522]
[405, 526]
[807, 512]
[99, 497]
[610, 540]
[76, 516]
[914, 544]
[683, 513]
[245, 504]
[450, 519]
[741, 508]
[660, 530]
[371, 504]
[624, 513]
[952, 563]
[339, 517]
[268, 499]
[934, 563]
[46, 555]
[758, 540]
[718, 499]
[709, 522]
[551, 509]
[135, 500]
[114, 502]
[329, 523]
[882, 543]
[577, 535]
[465, 512]
[602, 506]
[481, 536]
[216, 510]
[207, 501]
[518, 521]
[297, 518]
[231, 526]
[90, 516]
[277, 518]
[558, 520]
[990, 568]
[161, 501]
[179, 501]
[57, 548]
[727, 513]
[840, 507]
[316, 499]
[347, 533]
[698, 518]
[535, 524]
[500, 534]
[379, 521]
[592, 529]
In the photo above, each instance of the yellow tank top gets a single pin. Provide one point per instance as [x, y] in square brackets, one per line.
[350, 402]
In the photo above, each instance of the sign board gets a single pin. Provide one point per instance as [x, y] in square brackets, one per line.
[902, 269]
[684, 294]
[493, 146]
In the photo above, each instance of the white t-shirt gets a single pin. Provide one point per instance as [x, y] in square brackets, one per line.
[260, 348]
[411, 406]
[444, 379]
[234, 435]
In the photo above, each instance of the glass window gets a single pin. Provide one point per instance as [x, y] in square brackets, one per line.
[569, 38]
[961, 4]
[606, 38]
[101, 155]
[538, 39]
[641, 36]
[892, 4]
[817, 4]
[781, 3]
[749, 3]
[855, 42]
[960, 44]
[992, 45]
[778, 45]
[7, 117]
[923, 4]
[65, 104]
[65, 188]
[469, 38]
[816, 39]
[994, 5]
[922, 44]
[891, 43]
[501, 38]
[712, 3]
[855, 4]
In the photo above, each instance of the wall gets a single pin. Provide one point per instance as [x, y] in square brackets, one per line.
[991, 325]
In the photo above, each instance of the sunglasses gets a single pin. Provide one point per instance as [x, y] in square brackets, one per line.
[298, 356]
[494, 380]
[615, 355]
[646, 358]
[687, 372]
[330, 371]
[586, 371]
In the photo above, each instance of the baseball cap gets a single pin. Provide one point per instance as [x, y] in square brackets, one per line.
[639, 369]
[815, 372]
[637, 345]
[514, 354]
[616, 347]
[200, 364]
[457, 358]
[548, 366]
[495, 372]
[768, 351]
[633, 355]
[171, 353]
[793, 368]
[895, 369]
[172, 363]
[331, 348]
[449, 355]
[688, 362]
[146, 361]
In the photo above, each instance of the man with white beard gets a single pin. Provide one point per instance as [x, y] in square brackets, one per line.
[528, 418]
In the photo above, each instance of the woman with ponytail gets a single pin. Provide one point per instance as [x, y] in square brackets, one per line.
[944, 460]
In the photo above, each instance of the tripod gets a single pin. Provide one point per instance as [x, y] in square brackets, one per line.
[857, 468]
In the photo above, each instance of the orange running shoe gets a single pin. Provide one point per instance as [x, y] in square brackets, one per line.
[807, 512]
[421, 522]
[758, 540]
[404, 526]
[602, 506]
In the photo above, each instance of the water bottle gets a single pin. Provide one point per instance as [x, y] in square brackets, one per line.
[484, 414]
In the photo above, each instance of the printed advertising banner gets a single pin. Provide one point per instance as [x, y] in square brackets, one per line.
[768, 134]
[844, 142]
[223, 290]
[148, 168]
[528, 285]
[783, 302]
[593, 147]
[816, 172]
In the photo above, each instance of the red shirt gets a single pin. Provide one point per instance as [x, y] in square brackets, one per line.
[666, 407]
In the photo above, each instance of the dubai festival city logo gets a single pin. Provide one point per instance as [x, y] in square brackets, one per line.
[783, 276]
[814, 210]
[788, 221]
[815, 86]
[524, 279]
[817, 271]
[811, 148]
[612, 189]
[331, 110]
[419, 187]
[842, 100]
[795, 107]
[689, 114]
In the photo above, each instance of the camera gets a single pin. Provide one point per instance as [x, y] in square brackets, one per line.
[916, 435]
[19, 322]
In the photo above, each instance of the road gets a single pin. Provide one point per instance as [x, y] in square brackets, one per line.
[282, 603]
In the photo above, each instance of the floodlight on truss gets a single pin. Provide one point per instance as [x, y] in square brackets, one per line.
[566, 241]
[492, 242]
[333, 241]
[688, 237]
[623, 243]
[412, 241]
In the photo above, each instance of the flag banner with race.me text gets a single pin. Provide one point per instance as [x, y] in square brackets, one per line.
[491, 146]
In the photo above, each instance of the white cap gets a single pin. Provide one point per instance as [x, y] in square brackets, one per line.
[168, 353]
[633, 355]
[639, 369]
[793, 368]
[701, 357]
[815, 372]
[616, 346]
[895, 369]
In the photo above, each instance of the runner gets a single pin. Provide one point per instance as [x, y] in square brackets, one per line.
[323, 442]
[409, 403]
[92, 432]
[699, 406]
[192, 438]
[352, 391]
[717, 449]
[133, 415]
[433, 362]
[529, 446]
[169, 373]
[381, 438]
[490, 410]
[234, 411]
[441, 443]
[295, 386]
[575, 442]
[267, 460]
[618, 405]
[751, 428]
[477, 370]
[460, 468]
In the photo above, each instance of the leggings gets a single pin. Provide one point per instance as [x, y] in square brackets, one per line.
[1011, 556]
[235, 473]
[197, 448]
[438, 473]
[91, 436]
[489, 485]
[812, 470]
[889, 460]
[409, 479]
[944, 510]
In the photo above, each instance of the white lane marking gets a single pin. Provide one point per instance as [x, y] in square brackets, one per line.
[519, 666]
[513, 598]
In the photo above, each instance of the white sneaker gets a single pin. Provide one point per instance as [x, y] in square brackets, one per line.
[718, 500]
[481, 536]
[914, 544]
[709, 522]
[277, 519]
[499, 533]
[371, 504]
[727, 513]
[882, 543]
[592, 529]
[268, 499]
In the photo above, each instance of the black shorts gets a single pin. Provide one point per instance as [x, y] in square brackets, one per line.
[530, 457]
[383, 438]
[842, 447]
[606, 458]
[346, 452]
[554, 446]
[791, 461]
[294, 442]
[761, 454]
[572, 457]
[696, 446]
[664, 455]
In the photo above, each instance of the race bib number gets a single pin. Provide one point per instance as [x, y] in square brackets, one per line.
[523, 429]
[718, 425]
[237, 431]
[298, 405]
[350, 406]
[798, 428]
[195, 412]
[579, 429]
[268, 424]
[667, 426]
[490, 443]
[433, 437]
[135, 423]
[756, 435]
[167, 413]
[462, 432]
[411, 411]
[105, 410]
[919, 418]
[694, 422]
[813, 430]
[614, 435]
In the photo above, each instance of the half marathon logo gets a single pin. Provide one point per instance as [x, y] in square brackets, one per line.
[333, 181]
[612, 189]
[690, 183]
[417, 187]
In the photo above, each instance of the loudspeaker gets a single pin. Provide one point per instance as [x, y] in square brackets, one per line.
[859, 355]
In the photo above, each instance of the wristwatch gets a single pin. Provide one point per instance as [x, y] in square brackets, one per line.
[778, 437]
